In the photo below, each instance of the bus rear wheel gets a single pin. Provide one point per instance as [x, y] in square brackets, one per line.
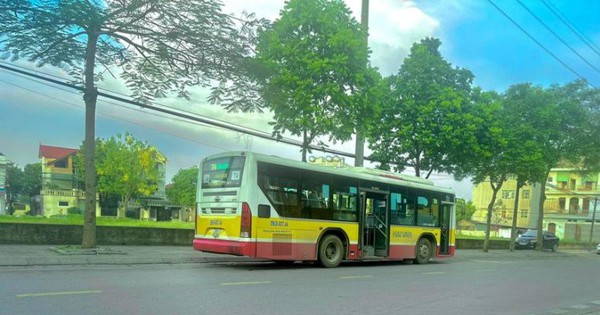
[331, 251]
[423, 251]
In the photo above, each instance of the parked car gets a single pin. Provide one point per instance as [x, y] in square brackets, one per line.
[529, 240]
[598, 249]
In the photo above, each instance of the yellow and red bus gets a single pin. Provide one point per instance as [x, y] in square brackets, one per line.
[268, 207]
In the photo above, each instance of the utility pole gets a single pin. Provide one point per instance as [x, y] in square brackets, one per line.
[593, 220]
[359, 150]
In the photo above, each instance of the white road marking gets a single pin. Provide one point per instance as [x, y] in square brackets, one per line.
[246, 283]
[58, 293]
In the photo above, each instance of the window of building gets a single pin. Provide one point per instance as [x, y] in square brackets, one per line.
[526, 194]
[524, 213]
[550, 179]
[61, 163]
[63, 203]
[508, 194]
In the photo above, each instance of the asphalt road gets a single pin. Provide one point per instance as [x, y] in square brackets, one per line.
[540, 283]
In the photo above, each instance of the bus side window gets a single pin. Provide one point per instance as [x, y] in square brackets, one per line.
[424, 213]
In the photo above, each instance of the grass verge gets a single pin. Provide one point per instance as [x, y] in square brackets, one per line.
[75, 219]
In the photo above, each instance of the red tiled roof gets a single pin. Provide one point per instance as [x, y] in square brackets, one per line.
[55, 152]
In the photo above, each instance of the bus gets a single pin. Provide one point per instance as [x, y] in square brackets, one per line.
[268, 207]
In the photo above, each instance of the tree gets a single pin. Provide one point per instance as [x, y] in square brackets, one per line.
[183, 188]
[564, 127]
[159, 47]
[23, 184]
[490, 161]
[426, 121]
[126, 167]
[527, 154]
[32, 179]
[14, 184]
[314, 70]
[464, 210]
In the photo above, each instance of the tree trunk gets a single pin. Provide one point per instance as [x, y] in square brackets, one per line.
[90, 96]
[513, 229]
[486, 242]
[304, 146]
[540, 222]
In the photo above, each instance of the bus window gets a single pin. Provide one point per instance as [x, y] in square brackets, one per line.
[222, 172]
[315, 197]
[344, 197]
[425, 216]
[435, 212]
[280, 185]
[397, 212]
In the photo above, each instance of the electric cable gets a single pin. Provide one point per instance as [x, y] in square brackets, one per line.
[540, 44]
[558, 37]
[571, 27]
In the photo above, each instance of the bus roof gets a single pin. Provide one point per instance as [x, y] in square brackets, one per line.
[356, 172]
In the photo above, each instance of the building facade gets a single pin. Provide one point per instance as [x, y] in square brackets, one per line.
[570, 200]
[61, 188]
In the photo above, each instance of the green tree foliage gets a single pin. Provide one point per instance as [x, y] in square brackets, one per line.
[314, 71]
[157, 47]
[183, 188]
[565, 130]
[126, 167]
[14, 182]
[32, 179]
[427, 121]
[23, 184]
[464, 210]
[519, 104]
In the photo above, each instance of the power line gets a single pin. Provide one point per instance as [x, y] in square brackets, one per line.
[570, 25]
[556, 35]
[540, 44]
[182, 114]
[101, 113]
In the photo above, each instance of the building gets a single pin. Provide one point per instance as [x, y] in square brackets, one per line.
[3, 196]
[61, 188]
[568, 207]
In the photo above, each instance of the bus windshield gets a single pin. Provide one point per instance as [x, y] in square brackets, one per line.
[222, 172]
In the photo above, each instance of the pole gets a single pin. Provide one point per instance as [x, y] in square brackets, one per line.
[359, 150]
[593, 220]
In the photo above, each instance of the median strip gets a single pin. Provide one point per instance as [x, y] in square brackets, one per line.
[58, 293]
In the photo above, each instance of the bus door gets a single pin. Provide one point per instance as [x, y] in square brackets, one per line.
[374, 227]
[446, 217]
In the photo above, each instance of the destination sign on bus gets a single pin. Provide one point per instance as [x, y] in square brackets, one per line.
[219, 166]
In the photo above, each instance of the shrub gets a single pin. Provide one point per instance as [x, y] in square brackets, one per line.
[74, 210]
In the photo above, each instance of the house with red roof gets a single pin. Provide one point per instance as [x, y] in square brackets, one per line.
[61, 187]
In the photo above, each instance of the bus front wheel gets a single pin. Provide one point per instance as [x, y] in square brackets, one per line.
[331, 251]
[423, 251]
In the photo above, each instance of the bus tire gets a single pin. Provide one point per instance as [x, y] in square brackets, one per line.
[331, 251]
[423, 253]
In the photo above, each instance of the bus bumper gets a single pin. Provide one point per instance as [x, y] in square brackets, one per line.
[225, 247]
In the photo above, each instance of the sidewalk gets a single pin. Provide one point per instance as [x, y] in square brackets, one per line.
[46, 255]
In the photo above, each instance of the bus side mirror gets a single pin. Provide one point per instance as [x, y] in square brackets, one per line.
[264, 211]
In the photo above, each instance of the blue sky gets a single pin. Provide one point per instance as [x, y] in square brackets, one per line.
[474, 35]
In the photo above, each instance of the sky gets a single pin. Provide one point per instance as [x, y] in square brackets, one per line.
[474, 34]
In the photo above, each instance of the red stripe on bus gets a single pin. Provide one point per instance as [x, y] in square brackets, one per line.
[296, 251]
[225, 247]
